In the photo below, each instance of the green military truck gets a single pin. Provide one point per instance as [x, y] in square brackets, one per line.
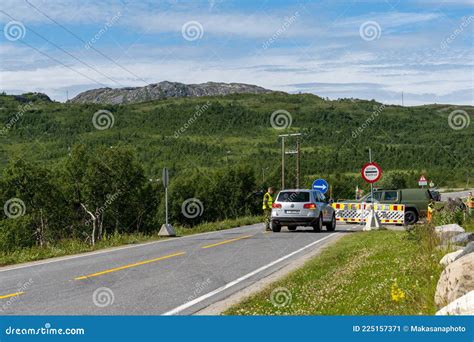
[415, 200]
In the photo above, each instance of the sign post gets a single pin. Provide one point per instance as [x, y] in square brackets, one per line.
[321, 185]
[166, 229]
[371, 173]
[422, 181]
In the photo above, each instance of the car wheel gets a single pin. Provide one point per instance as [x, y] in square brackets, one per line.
[318, 224]
[292, 228]
[275, 227]
[331, 226]
[411, 217]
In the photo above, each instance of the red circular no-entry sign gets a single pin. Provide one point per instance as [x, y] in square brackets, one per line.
[371, 172]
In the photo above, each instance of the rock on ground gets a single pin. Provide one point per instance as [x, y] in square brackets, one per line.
[462, 306]
[466, 250]
[462, 238]
[447, 231]
[449, 258]
[446, 248]
[456, 280]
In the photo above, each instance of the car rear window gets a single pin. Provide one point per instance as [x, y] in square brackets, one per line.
[293, 196]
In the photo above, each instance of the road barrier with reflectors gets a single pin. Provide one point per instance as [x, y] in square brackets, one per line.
[359, 212]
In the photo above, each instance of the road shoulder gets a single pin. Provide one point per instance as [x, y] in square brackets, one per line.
[219, 307]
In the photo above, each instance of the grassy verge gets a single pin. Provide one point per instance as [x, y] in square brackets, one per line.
[468, 225]
[71, 246]
[365, 273]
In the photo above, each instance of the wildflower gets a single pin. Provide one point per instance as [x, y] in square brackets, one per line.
[397, 293]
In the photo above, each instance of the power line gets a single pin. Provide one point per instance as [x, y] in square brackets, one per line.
[66, 52]
[58, 61]
[84, 42]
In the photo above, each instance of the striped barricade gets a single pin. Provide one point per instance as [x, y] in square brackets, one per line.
[358, 212]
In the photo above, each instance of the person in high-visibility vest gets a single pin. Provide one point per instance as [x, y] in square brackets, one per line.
[470, 203]
[429, 214]
[267, 207]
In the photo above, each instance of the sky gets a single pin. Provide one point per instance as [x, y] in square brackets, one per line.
[335, 49]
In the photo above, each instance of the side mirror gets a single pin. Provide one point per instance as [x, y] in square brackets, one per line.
[331, 201]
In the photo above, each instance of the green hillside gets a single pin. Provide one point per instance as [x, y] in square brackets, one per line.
[236, 129]
[220, 150]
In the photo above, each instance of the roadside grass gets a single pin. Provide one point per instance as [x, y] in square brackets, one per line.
[468, 225]
[74, 246]
[364, 273]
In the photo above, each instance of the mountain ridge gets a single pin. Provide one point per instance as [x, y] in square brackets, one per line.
[164, 90]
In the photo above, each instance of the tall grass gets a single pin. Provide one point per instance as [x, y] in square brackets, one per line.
[73, 246]
[364, 273]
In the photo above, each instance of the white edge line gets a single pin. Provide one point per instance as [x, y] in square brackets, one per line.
[234, 282]
[108, 250]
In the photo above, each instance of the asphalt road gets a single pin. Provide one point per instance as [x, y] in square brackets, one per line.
[453, 195]
[172, 276]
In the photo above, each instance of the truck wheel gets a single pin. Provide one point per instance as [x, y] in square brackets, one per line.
[275, 227]
[331, 226]
[318, 224]
[292, 228]
[411, 217]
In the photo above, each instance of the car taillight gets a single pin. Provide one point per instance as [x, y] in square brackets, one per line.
[309, 206]
[276, 205]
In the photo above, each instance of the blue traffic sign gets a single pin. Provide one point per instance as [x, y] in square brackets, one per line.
[321, 185]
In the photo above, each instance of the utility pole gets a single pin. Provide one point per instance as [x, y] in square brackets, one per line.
[166, 229]
[297, 162]
[283, 152]
[402, 98]
[263, 174]
[282, 162]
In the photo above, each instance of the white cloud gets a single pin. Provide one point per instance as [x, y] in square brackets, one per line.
[271, 71]
[332, 56]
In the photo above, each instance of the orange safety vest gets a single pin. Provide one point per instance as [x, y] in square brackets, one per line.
[469, 202]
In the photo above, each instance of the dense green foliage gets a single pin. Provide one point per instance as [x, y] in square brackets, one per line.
[220, 150]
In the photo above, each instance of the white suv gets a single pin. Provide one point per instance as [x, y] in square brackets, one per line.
[298, 207]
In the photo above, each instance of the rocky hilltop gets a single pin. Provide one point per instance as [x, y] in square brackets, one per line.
[163, 90]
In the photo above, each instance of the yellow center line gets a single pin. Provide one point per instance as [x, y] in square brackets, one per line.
[129, 266]
[227, 241]
[11, 295]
